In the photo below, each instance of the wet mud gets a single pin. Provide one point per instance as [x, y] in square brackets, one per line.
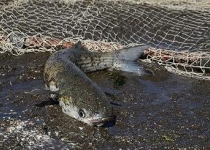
[162, 111]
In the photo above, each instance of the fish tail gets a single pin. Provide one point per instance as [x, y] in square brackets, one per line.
[124, 60]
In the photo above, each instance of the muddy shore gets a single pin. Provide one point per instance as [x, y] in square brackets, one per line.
[163, 111]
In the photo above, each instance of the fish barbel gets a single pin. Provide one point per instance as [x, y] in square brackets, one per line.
[78, 95]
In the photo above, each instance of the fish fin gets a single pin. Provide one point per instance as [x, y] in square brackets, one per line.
[111, 91]
[130, 54]
[78, 45]
[80, 48]
[130, 66]
[115, 104]
[46, 87]
[47, 103]
[124, 60]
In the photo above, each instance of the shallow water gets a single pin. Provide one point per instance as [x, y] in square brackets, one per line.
[153, 111]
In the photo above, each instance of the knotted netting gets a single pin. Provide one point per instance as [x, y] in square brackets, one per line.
[179, 39]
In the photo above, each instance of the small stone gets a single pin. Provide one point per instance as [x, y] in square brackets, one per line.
[56, 133]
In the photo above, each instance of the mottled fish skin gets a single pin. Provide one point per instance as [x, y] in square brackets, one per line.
[80, 97]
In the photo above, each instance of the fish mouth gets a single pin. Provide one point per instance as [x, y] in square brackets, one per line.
[103, 121]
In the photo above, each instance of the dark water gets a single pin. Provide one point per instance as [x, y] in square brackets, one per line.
[162, 111]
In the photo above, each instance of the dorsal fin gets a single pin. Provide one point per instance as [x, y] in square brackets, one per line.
[79, 47]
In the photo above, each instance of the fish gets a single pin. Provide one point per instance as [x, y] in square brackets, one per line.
[78, 95]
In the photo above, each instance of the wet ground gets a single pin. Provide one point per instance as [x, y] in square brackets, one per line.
[163, 111]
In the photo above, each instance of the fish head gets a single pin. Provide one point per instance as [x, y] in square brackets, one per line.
[96, 113]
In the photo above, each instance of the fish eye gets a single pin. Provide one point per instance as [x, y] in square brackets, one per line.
[81, 113]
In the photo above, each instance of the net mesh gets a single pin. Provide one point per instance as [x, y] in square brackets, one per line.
[179, 39]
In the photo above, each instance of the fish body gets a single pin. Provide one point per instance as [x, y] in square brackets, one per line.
[78, 95]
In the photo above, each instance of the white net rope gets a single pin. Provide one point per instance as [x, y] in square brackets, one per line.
[179, 39]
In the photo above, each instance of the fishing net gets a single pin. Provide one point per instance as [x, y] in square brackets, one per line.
[179, 39]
